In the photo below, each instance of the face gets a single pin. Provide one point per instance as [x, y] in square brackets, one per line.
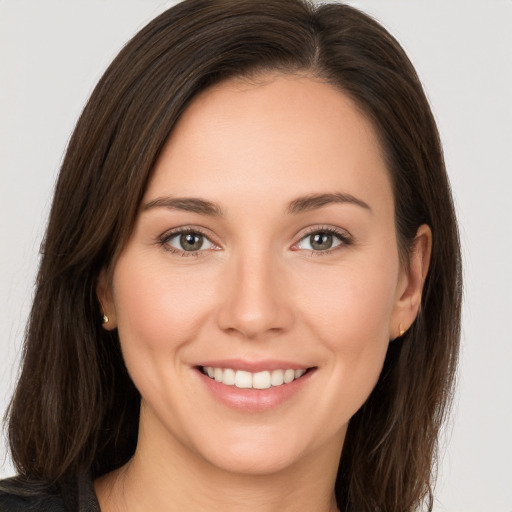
[259, 290]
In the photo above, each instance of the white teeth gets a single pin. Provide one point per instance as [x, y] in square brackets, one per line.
[229, 377]
[248, 380]
[261, 380]
[243, 379]
[217, 373]
[299, 373]
[277, 377]
[289, 375]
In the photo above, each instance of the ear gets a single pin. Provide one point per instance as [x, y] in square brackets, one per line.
[105, 298]
[410, 283]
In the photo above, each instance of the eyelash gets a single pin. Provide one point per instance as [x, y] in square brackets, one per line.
[342, 236]
[163, 241]
[169, 235]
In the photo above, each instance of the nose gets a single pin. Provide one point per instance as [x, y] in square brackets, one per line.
[255, 300]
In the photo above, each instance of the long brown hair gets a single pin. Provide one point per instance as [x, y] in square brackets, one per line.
[75, 408]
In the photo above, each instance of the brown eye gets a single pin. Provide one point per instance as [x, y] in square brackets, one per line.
[189, 241]
[321, 241]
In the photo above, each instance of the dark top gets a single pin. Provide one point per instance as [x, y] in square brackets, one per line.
[74, 495]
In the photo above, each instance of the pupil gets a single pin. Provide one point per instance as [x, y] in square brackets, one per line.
[191, 241]
[321, 241]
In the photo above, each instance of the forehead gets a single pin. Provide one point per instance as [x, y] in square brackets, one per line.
[281, 133]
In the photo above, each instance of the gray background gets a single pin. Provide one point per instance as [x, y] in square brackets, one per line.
[53, 52]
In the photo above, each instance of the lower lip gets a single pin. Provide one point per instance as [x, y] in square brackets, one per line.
[254, 400]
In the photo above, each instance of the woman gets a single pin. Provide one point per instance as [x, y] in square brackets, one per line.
[249, 295]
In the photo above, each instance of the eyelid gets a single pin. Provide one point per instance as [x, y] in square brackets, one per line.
[342, 234]
[165, 237]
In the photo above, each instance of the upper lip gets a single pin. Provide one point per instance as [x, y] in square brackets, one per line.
[254, 366]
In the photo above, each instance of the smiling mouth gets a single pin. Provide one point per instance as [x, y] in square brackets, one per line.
[248, 380]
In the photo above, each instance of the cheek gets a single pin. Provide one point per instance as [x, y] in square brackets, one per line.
[352, 306]
[350, 317]
[158, 309]
[158, 312]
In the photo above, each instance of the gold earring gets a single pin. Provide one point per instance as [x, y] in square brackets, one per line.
[105, 319]
[402, 330]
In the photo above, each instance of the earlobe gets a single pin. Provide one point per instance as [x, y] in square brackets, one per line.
[409, 294]
[107, 308]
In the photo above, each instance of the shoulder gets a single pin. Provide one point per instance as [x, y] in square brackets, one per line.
[17, 495]
[20, 494]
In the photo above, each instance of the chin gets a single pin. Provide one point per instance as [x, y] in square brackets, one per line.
[264, 451]
[255, 460]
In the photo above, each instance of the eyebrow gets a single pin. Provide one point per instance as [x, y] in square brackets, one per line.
[315, 201]
[299, 205]
[189, 204]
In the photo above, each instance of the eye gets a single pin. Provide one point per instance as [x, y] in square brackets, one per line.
[322, 240]
[187, 242]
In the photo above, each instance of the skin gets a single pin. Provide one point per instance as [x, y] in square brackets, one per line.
[257, 291]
